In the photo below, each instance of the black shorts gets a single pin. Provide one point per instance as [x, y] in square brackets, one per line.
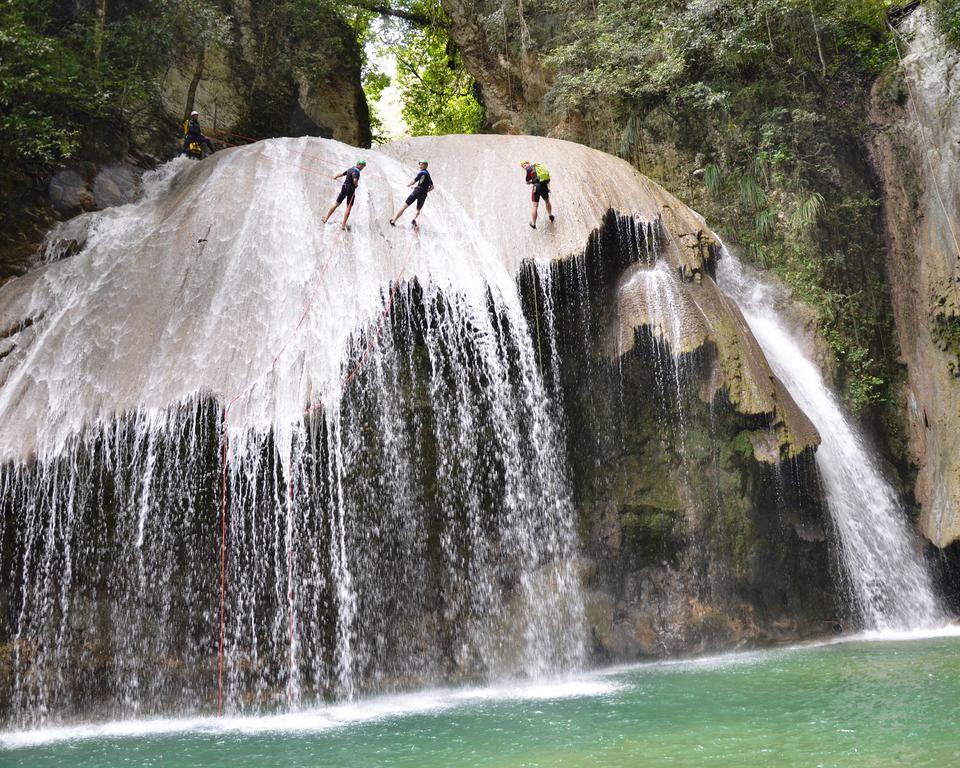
[418, 195]
[346, 193]
[541, 189]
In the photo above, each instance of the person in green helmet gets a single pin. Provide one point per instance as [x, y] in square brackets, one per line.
[422, 184]
[351, 180]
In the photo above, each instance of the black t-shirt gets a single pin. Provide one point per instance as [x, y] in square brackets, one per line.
[422, 181]
[348, 178]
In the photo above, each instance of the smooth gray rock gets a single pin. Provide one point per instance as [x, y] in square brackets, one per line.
[116, 185]
[68, 191]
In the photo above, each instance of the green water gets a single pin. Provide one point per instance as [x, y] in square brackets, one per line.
[852, 704]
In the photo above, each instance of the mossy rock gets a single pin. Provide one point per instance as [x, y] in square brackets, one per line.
[651, 534]
[647, 483]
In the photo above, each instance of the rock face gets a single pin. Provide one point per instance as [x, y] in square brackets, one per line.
[276, 78]
[499, 46]
[479, 168]
[92, 188]
[503, 48]
[914, 143]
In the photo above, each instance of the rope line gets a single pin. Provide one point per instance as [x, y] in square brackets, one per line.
[224, 137]
[536, 313]
[290, 576]
[223, 561]
[224, 446]
[371, 344]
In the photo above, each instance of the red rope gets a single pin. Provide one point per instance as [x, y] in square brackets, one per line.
[290, 505]
[290, 575]
[235, 135]
[223, 478]
[223, 559]
[372, 343]
[226, 412]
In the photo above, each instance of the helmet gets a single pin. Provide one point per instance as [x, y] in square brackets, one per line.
[194, 114]
[361, 162]
[524, 162]
[423, 162]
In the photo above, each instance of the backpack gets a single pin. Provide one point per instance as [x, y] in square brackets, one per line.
[542, 173]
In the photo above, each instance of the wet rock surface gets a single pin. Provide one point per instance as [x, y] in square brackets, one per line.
[116, 185]
[70, 192]
[914, 145]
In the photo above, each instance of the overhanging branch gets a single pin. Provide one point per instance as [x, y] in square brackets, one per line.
[398, 13]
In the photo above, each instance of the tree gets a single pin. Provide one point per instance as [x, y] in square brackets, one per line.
[436, 90]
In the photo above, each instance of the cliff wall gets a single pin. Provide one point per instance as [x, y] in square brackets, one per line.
[914, 141]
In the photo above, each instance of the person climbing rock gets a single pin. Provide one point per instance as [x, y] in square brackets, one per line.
[422, 184]
[538, 175]
[351, 180]
[193, 139]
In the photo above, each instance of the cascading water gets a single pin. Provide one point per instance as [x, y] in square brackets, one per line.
[889, 586]
[397, 510]
[658, 286]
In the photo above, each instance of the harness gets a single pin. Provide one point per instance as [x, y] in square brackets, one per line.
[194, 148]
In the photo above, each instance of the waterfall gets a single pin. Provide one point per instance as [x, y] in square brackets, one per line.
[353, 424]
[889, 586]
[254, 457]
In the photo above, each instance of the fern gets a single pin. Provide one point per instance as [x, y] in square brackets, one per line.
[712, 178]
[752, 196]
[764, 223]
[806, 214]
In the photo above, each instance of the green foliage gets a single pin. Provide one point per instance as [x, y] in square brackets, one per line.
[712, 178]
[765, 223]
[806, 214]
[187, 25]
[53, 95]
[864, 387]
[43, 85]
[946, 15]
[766, 96]
[752, 196]
[436, 91]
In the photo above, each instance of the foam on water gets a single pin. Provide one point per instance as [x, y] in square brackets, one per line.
[321, 719]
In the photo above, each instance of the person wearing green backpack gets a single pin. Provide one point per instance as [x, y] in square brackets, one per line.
[539, 177]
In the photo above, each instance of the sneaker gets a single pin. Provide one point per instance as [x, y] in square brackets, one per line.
[552, 217]
[532, 225]
[393, 223]
[414, 224]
